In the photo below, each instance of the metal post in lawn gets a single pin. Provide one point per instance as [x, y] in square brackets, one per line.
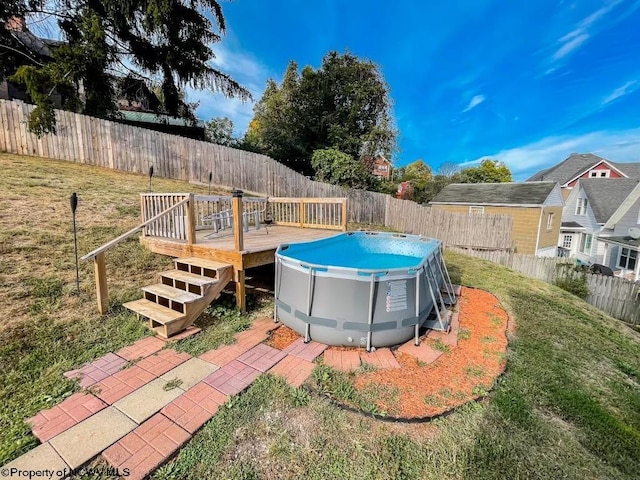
[74, 205]
[150, 175]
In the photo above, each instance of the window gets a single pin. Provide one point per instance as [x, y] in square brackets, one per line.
[567, 240]
[581, 207]
[585, 243]
[593, 173]
[550, 221]
[599, 173]
[627, 258]
[479, 210]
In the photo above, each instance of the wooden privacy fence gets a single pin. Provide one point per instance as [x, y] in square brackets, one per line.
[616, 296]
[454, 229]
[92, 141]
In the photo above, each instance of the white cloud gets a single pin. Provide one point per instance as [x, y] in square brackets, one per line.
[580, 34]
[617, 146]
[625, 89]
[475, 101]
[246, 70]
[570, 46]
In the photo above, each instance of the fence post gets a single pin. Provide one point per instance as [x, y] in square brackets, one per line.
[344, 214]
[102, 291]
[301, 212]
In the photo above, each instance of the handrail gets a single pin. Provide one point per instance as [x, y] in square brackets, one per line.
[126, 235]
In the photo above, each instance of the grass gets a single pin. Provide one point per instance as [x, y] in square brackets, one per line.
[567, 407]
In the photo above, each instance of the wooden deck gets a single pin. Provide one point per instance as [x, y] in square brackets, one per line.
[259, 245]
[211, 227]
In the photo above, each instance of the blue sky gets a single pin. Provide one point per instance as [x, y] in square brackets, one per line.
[526, 83]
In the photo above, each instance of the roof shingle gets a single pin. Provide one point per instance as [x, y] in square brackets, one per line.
[532, 193]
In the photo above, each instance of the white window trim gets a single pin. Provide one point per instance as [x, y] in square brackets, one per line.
[629, 250]
[581, 247]
[638, 221]
[550, 221]
[476, 210]
[566, 244]
[581, 206]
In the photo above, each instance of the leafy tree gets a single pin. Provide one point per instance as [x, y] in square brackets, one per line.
[489, 171]
[169, 40]
[220, 130]
[343, 105]
[334, 166]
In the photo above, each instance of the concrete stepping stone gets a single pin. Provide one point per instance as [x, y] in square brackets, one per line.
[262, 357]
[97, 370]
[141, 349]
[343, 360]
[381, 358]
[190, 372]
[196, 407]
[46, 424]
[233, 378]
[147, 400]
[422, 352]
[162, 362]
[225, 353]
[43, 457]
[294, 369]
[147, 447]
[113, 388]
[306, 351]
[81, 443]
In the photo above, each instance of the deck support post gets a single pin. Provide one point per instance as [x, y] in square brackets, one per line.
[102, 292]
[191, 220]
[301, 212]
[241, 298]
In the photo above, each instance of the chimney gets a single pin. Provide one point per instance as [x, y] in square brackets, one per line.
[16, 24]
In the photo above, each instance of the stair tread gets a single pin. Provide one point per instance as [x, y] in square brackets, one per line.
[202, 262]
[154, 311]
[171, 293]
[187, 277]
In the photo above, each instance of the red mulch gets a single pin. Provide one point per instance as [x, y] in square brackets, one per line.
[282, 337]
[458, 376]
[464, 373]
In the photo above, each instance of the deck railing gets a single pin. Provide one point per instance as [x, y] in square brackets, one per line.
[329, 213]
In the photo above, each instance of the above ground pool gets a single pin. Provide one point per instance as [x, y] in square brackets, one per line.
[362, 289]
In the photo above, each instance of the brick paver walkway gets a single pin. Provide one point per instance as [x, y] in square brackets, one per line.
[107, 418]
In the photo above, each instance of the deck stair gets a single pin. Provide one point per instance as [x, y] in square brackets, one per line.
[182, 294]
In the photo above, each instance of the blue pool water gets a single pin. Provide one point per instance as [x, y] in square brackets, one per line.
[362, 251]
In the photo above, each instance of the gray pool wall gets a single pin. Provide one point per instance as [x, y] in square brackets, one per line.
[332, 304]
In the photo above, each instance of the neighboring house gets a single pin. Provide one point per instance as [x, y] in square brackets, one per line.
[536, 208]
[583, 166]
[588, 208]
[619, 236]
[381, 167]
[163, 123]
[38, 49]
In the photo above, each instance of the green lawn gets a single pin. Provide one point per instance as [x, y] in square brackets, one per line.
[567, 407]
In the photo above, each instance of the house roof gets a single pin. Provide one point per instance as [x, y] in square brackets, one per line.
[532, 193]
[148, 117]
[577, 163]
[624, 207]
[607, 194]
[567, 169]
[571, 225]
[627, 241]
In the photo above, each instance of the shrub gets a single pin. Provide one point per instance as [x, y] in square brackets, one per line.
[576, 286]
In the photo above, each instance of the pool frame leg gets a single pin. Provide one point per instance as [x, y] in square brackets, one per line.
[372, 289]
